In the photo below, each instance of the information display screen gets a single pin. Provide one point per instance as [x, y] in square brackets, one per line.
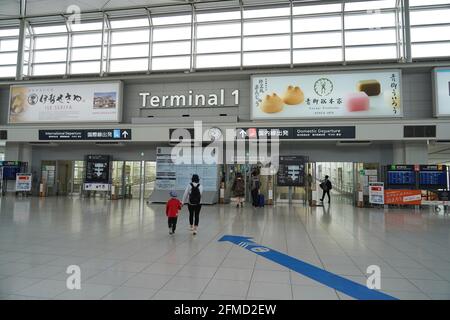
[433, 176]
[401, 178]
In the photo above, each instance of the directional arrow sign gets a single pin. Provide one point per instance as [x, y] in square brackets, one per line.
[125, 134]
[329, 279]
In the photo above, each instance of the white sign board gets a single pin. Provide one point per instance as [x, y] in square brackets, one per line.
[66, 102]
[97, 186]
[376, 193]
[442, 91]
[23, 181]
[334, 95]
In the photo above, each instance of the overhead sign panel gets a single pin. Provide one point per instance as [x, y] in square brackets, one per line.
[86, 134]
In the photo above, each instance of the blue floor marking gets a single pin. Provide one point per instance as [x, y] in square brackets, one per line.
[350, 288]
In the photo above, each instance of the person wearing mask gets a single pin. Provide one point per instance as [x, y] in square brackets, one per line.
[193, 197]
[238, 189]
[326, 186]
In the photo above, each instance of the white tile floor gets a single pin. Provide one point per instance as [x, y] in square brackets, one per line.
[125, 252]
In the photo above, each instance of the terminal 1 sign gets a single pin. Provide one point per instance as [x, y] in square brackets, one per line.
[66, 102]
[332, 95]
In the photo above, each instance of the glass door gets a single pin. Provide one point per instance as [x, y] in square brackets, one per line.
[78, 177]
[149, 178]
[133, 179]
[117, 179]
[48, 175]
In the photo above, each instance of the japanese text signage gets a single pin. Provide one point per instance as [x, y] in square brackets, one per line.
[442, 91]
[86, 134]
[66, 102]
[335, 95]
[23, 181]
[313, 133]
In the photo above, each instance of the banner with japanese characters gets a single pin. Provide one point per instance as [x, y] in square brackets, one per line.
[442, 92]
[66, 102]
[334, 95]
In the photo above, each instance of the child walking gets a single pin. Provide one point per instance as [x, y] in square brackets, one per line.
[173, 206]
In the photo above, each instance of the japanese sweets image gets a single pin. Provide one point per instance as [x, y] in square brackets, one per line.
[371, 87]
[272, 104]
[18, 99]
[358, 101]
[293, 96]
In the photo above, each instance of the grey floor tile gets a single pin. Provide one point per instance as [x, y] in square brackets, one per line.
[149, 281]
[129, 293]
[313, 293]
[270, 290]
[188, 284]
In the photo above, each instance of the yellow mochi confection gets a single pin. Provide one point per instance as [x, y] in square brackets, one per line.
[272, 104]
[293, 96]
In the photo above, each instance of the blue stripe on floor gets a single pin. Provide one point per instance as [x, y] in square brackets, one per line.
[341, 284]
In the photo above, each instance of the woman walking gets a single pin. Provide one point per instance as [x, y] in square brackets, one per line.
[238, 189]
[193, 196]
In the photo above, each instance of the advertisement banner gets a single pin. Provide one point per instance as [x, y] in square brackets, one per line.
[335, 95]
[23, 181]
[442, 92]
[403, 197]
[66, 102]
[376, 192]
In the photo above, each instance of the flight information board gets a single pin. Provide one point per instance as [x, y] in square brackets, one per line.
[433, 176]
[401, 177]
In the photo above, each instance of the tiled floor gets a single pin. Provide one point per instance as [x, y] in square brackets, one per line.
[124, 250]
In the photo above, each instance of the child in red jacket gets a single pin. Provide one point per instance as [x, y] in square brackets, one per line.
[173, 205]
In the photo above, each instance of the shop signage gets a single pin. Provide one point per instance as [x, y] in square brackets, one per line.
[316, 96]
[191, 99]
[66, 102]
[23, 181]
[376, 192]
[298, 133]
[442, 91]
[86, 134]
[97, 169]
[3, 135]
[291, 171]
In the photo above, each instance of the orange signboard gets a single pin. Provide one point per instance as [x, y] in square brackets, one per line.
[405, 197]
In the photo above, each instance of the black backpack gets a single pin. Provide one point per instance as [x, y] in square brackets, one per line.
[195, 196]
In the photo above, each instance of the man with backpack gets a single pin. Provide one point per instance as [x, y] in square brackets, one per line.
[193, 197]
[326, 186]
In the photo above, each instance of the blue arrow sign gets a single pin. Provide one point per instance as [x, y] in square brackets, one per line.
[351, 288]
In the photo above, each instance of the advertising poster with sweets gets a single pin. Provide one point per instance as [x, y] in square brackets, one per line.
[442, 91]
[334, 95]
[66, 102]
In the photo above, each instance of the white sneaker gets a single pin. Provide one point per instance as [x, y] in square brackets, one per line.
[170, 231]
[191, 228]
[194, 231]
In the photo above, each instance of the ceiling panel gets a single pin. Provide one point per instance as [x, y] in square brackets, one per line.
[9, 8]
